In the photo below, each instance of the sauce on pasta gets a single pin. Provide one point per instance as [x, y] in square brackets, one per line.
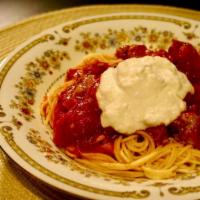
[74, 115]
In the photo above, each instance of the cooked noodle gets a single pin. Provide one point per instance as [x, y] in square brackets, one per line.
[155, 163]
[135, 155]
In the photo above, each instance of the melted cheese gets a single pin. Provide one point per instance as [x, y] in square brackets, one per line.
[141, 93]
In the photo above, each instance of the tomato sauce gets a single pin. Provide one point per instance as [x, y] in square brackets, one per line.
[77, 115]
[77, 125]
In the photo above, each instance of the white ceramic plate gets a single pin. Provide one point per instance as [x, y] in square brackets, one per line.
[34, 67]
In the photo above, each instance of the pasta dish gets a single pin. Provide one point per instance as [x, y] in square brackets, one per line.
[158, 150]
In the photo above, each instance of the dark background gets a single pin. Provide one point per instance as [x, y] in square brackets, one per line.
[15, 10]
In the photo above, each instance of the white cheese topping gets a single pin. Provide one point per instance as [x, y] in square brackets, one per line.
[141, 93]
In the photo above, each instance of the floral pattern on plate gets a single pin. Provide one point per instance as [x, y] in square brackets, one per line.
[39, 64]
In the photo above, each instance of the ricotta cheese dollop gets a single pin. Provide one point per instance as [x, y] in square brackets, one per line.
[140, 93]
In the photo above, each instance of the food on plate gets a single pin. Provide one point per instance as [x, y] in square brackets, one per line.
[135, 113]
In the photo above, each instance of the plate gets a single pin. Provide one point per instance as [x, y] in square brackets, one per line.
[40, 63]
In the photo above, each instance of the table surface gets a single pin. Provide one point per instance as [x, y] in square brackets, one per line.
[12, 11]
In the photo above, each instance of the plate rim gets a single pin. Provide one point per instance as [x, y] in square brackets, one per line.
[3, 64]
[167, 9]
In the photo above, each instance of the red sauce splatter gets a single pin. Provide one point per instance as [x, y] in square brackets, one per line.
[159, 134]
[186, 58]
[77, 125]
[77, 115]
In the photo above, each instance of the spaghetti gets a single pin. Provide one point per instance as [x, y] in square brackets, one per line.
[160, 152]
